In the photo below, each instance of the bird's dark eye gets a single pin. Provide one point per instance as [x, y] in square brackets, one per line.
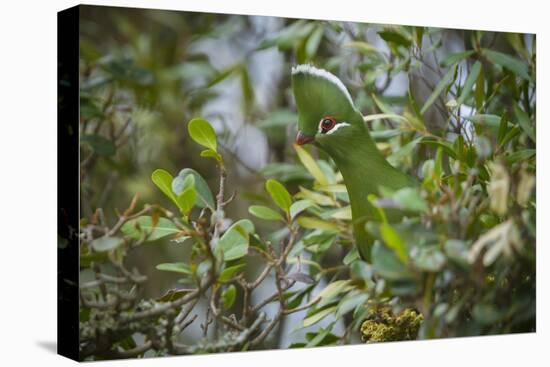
[327, 123]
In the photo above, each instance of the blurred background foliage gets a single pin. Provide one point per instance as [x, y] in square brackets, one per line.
[454, 108]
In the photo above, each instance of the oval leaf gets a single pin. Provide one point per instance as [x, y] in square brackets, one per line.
[204, 195]
[175, 267]
[263, 212]
[279, 194]
[386, 263]
[234, 242]
[468, 85]
[314, 223]
[186, 201]
[163, 179]
[516, 66]
[310, 164]
[318, 316]
[106, 243]
[229, 272]
[144, 226]
[203, 133]
[228, 296]
[443, 83]
[394, 241]
[298, 207]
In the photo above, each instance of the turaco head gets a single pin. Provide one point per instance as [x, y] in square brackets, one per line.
[326, 113]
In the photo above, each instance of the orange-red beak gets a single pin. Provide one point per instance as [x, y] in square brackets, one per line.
[302, 138]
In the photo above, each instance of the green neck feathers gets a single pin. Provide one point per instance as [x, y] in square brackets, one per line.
[364, 170]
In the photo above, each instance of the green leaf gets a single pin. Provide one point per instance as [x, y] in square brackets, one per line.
[100, 144]
[209, 153]
[299, 206]
[263, 212]
[386, 263]
[228, 296]
[279, 194]
[289, 36]
[492, 121]
[351, 301]
[419, 34]
[351, 256]
[140, 227]
[229, 272]
[429, 259]
[403, 152]
[525, 123]
[447, 147]
[313, 41]
[246, 86]
[393, 240]
[361, 270]
[512, 133]
[413, 103]
[204, 195]
[379, 116]
[364, 48]
[457, 250]
[89, 109]
[285, 172]
[323, 337]
[395, 38]
[314, 223]
[480, 90]
[315, 197]
[319, 241]
[295, 298]
[469, 83]
[456, 58]
[520, 155]
[503, 128]
[343, 213]
[186, 200]
[332, 290]
[310, 164]
[409, 198]
[443, 83]
[318, 316]
[234, 242]
[172, 295]
[382, 105]
[163, 180]
[222, 75]
[178, 267]
[511, 63]
[202, 133]
[106, 243]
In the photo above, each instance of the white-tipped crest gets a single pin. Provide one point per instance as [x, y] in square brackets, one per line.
[321, 73]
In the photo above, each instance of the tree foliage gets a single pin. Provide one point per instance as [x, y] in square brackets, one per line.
[461, 262]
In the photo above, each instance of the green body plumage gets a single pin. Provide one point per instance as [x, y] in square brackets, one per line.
[321, 96]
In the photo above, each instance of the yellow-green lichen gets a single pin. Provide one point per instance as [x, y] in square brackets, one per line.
[383, 325]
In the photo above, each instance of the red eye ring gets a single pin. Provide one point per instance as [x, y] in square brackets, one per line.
[327, 123]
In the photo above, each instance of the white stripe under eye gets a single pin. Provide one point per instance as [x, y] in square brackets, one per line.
[336, 127]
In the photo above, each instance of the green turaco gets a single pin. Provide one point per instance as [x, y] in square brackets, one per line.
[328, 118]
